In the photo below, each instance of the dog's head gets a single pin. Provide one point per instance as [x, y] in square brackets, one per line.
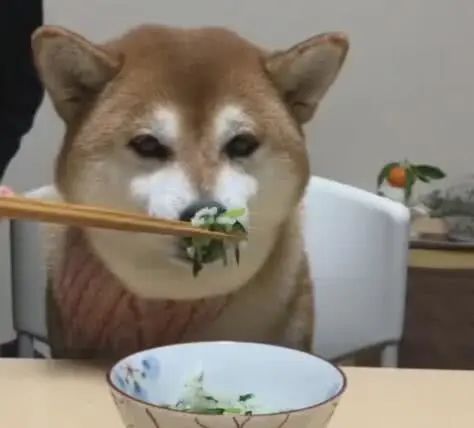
[163, 120]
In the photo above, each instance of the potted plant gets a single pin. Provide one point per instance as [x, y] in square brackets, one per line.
[399, 178]
[397, 181]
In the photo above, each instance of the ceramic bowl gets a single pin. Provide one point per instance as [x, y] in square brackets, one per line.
[296, 389]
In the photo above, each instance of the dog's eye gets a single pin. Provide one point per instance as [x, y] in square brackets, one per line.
[241, 146]
[148, 146]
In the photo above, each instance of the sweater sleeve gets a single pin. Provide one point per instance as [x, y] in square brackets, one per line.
[20, 89]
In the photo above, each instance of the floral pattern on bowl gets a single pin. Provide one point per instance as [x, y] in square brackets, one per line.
[135, 379]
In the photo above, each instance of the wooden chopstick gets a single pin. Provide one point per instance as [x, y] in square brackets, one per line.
[93, 209]
[87, 216]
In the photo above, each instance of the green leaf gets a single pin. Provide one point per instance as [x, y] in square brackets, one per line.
[429, 171]
[237, 253]
[233, 410]
[238, 228]
[216, 411]
[420, 176]
[197, 267]
[384, 173]
[234, 213]
[411, 178]
[223, 254]
[246, 397]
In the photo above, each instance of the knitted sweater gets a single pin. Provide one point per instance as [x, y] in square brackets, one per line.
[99, 317]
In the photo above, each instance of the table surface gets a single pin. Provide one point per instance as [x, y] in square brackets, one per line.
[440, 242]
[433, 250]
[441, 259]
[64, 394]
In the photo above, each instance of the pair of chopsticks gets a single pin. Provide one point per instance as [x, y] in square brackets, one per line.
[16, 207]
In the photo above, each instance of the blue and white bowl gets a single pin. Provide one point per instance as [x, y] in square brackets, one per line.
[293, 389]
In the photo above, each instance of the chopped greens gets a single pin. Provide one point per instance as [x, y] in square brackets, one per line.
[246, 397]
[196, 399]
[206, 250]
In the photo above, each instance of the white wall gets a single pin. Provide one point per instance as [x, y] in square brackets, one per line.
[407, 89]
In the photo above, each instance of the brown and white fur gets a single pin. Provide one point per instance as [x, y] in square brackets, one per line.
[194, 90]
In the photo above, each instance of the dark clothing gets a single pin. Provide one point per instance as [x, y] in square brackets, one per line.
[20, 89]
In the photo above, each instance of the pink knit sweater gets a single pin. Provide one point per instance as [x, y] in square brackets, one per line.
[101, 317]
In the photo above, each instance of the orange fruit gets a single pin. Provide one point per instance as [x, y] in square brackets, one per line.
[397, 177]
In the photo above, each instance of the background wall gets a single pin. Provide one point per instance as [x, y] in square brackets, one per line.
[406, 89]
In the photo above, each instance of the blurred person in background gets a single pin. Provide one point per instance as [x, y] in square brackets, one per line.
[20, 89]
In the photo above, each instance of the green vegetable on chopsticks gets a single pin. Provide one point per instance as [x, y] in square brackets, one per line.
[206, 250]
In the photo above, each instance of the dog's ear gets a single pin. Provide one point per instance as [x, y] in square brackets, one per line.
[304, 72]
[72, 69]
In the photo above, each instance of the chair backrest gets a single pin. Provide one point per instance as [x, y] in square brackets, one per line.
[7, 332]
[357, 244]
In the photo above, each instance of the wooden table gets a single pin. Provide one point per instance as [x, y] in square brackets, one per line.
[61, 394]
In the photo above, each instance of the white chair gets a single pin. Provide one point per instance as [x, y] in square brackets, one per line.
[29, 266]
[357, 245]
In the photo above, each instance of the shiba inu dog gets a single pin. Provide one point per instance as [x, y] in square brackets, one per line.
[165, 121]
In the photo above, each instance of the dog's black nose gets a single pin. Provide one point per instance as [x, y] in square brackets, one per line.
[192, 209]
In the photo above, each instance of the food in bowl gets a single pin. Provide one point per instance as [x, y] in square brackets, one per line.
[165, 386]
[196, 399]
